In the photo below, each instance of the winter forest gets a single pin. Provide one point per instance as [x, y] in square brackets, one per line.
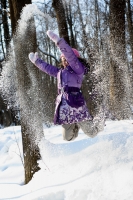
[101, 30]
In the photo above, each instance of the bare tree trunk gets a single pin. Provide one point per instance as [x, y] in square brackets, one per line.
[91, 86]
[61, 19]
[6, 117]
[15, 11]
[98, 35]
[96, 30]
[28, 90]
[70, 23]
[84, 40]
[130, 26]
[5, 24]
[119, 86]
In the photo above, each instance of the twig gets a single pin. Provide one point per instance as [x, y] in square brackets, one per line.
[49, 55]
[18, 148]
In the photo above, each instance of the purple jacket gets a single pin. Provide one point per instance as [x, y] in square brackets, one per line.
[68, 77]
[71, 76]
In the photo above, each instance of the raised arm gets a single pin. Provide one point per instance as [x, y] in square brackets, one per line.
[68, 53]
[42, 65]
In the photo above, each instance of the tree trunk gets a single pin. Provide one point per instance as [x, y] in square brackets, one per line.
[15, 11]
[90, 86]
[5, 24]
[119, 86]
[96, 30]
[6, 117]
[130, 26]
[61, 19]
[70, 23]
[28, 90]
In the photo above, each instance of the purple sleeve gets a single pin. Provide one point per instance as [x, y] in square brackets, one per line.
[71, 58]
[47, 68]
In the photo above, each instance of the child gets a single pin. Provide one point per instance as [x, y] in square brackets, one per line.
[71, 111]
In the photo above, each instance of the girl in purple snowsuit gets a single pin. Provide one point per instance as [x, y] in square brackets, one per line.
[71, 111]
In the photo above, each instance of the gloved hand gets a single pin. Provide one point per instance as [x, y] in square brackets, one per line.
[33, 57]
[53, 36]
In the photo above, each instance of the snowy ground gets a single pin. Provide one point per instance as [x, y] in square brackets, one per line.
[85, 169]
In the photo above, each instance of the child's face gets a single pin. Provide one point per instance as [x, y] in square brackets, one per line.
[64, 62]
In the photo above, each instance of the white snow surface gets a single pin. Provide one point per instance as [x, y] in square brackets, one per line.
[99, 168]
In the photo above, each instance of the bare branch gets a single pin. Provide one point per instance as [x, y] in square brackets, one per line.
[49, 55]
[18, 149]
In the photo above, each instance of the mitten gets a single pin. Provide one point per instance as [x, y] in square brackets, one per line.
[53, 36]
[33, 57]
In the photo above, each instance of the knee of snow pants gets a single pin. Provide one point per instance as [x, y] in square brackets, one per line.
[90, 128]
[70, 131]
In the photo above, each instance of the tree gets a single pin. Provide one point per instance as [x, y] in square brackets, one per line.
[5, 23]
[130, 24]
[6, 115]
[61, 19]
[69, 17]
[119, 86]
[28, 88]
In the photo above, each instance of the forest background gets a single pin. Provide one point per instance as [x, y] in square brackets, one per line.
[102, 31]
